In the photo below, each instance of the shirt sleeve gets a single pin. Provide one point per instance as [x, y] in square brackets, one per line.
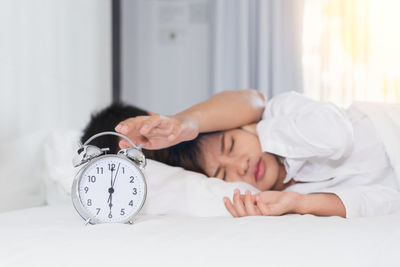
[368, 200]
[295, 126]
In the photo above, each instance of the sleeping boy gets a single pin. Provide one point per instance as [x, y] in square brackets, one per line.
[305, 156]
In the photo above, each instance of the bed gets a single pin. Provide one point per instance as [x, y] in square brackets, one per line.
[183, 223]
[56, 236]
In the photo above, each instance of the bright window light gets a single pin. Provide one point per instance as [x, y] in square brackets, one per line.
[351, 50]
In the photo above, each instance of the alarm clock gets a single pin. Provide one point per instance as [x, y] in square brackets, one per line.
[109, 188]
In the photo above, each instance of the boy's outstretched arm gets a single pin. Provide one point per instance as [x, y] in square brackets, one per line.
[225, 110]
[275, 203]
[321, 204]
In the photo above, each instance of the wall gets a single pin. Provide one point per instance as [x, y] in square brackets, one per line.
[55, 63]
[165, 53]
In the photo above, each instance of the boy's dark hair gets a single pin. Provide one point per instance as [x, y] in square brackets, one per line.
[186, 154]
[106, 120]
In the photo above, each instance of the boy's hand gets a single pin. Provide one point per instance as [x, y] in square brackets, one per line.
[243, 205]
[157, 131]
[275, 203]
[268, 203]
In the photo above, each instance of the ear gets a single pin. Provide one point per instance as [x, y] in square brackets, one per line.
[251, 128]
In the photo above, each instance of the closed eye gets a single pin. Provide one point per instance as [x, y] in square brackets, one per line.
[222, 152]
[230, 150]
[232, 144]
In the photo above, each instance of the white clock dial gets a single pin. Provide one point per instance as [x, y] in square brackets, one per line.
[112, 189]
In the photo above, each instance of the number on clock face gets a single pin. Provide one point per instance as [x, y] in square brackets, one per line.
[112, 189]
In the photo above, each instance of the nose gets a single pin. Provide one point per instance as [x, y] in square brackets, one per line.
[239, 164]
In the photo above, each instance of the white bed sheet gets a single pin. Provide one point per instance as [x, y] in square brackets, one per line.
[56, 236]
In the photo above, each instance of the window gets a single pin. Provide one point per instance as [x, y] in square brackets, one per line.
[351, 50]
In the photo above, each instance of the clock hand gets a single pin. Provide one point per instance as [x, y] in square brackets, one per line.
[111, 182]
[110, 196]
[111, 189]
[112, 185]
[110, 203]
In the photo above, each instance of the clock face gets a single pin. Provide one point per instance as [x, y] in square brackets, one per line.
[112, 189]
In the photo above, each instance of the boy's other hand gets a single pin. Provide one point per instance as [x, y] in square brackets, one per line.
[156, 131]
[275, 203]
[243, 205]
[268, 203]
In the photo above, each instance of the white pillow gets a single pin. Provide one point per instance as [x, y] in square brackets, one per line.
[171, 190]
[21, 172]
[59, 149]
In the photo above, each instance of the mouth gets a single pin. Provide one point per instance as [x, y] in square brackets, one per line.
[259, 170]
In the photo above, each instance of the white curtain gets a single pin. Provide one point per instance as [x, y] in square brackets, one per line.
[351, 51]
[257, 44]
[55, 64]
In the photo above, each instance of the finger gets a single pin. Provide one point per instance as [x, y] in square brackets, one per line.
[124, 144]
[253, 197]
[229, 206]
[121, 128]
[249, 204]
[239, 205]
[128, 125]
[150, 123]
[134, 121]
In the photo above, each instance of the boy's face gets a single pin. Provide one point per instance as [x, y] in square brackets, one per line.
[235, 155]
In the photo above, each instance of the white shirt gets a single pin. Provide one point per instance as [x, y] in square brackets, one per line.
[328, 149]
